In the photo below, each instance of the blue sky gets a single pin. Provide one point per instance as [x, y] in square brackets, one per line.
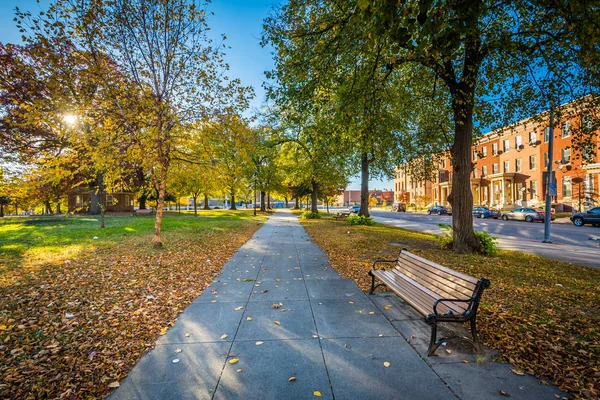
[240, 20]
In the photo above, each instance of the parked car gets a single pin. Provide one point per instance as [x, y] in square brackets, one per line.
[399, 207]
[484, 212]
[527, 214]
[439, 210]
[589, 217]
[354, 209]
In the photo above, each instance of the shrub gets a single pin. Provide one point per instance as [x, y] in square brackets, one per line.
[360, 220]
[487, 243]
[310, 215]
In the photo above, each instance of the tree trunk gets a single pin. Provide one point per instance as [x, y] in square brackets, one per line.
[314, 197]
[268, 201]
[327, 204]
[195, 206]
[233, 207]
[160, 205]
[286, 202]
[206, 207]
[102, 217]
[262, 201]
[58, 211]
[297, 206]
[1, 210]
[364, 185]
[142, 201]
[48, 207]
[461, 197]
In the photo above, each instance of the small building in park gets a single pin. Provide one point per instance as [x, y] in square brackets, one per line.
[79, 201]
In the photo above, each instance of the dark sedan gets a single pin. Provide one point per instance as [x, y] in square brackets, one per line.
[527, 214]
[439, 210]
[590, 217]
[484, 212]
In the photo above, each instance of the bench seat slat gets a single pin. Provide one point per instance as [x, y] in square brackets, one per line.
[433, 282]
[443, 276]
[441, 268]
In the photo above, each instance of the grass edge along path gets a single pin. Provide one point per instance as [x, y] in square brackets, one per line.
[72, 328]
[542, 315]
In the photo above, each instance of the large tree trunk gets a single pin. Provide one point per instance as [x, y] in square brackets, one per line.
[142, 201]
[195, 206]
[58, 211]
[262, 201]
[268, 201]
[48, 207]
[206, 207]
[314, 197]
[364, 185]
[286, 202]
[96, 197]
[297, 206]
[160, 205]
[461, 197]
[1, 210]
[233, 207]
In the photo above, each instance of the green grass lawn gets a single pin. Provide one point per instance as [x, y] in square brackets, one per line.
[49, 237]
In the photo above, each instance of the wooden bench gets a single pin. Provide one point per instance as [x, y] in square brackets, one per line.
[437, 292]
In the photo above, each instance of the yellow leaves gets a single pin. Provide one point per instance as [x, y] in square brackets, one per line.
[386, 364]
[177, 350]
[234, 361]
[387, 307]
[238, 308]
[517, 371]
[3, 327]
[259, 343]
[224, 336]
[248, 318]
[163, 330]
[371, 312]
[292, 379]
[277, 322]
[317, 393]
[114, 384]
[238, 370]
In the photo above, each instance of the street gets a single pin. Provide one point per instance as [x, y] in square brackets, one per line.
[570, 243]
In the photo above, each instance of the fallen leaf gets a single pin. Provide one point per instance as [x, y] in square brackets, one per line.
[517, 371]
[249, 319]
[259, 343]
[372, 312]
[213, 301]
[114, 384]
[350, 302]
[187, 335]
[177, 350]
[317, 393]
[386, 364]
[464, 361]
[448, 351]
[233, 360]
[224, 336]
[175, 361]
[387, 307]
[239, 370]
[277, 322]
[263, 291]
[163, 330]
[503, 393]
[238, 308]
[292, 379]
[275, 306]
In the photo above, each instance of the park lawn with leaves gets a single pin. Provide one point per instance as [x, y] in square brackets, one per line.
[542, 315]
[76, 313]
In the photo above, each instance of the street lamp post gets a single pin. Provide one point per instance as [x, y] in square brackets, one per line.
[550, 186]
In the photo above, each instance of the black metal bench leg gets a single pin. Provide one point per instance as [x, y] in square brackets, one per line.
[372, 282]
[476, 341]
[433, 343]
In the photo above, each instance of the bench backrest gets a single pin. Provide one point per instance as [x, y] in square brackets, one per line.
[439, 280]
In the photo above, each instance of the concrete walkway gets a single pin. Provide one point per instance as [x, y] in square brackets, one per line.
[279, 323]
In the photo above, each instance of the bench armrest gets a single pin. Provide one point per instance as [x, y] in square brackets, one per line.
[452, 300]
[383, 261]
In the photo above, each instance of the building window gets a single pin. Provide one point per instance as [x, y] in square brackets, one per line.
[547, 134]
[110, 199]
[494, 168]
[546, 160]
[506, 166]
[475, 173]
[518, 165]
[484, 151]
[474, 154]
[127, 203]
[567, 187]
[78, 201]
[532, 138]
[483, 171]
[494, 149]
[586, 123]
[506, 145]
[566, 156]
[531, 162]
[444, 163]
[587, 152]
[566, 129]
[533, 189]
[518, 142]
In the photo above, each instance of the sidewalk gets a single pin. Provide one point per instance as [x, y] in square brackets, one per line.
[278, 323]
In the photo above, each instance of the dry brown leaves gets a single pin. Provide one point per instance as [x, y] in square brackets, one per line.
[71, 330]
[542, 315]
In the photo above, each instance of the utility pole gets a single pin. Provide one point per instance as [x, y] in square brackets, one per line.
[550, 186]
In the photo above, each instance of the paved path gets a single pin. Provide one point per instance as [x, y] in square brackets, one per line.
[326, 333]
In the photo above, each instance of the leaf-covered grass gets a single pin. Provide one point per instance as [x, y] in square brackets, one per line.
[76, 313]
[542, 315]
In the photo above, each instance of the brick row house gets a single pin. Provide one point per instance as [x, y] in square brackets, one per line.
[510, 167]
[79, 201]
